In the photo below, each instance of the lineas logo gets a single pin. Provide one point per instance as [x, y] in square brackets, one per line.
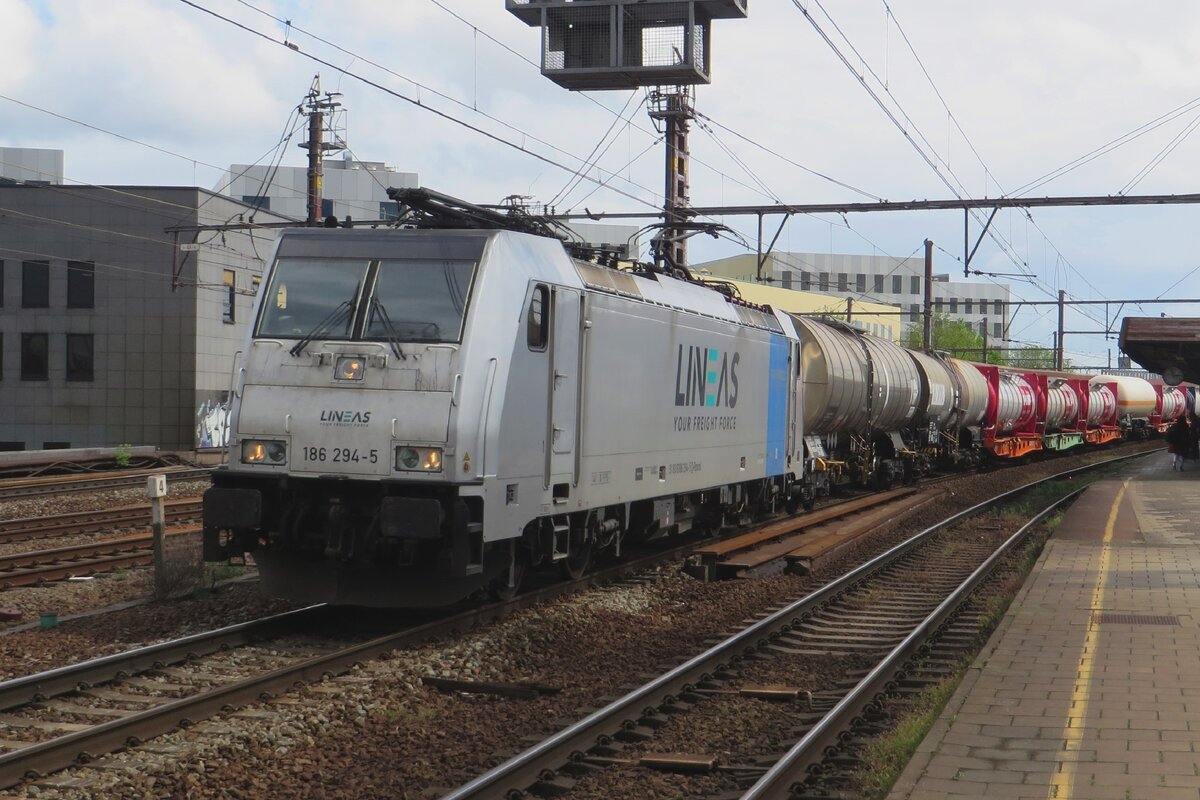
[706, 377]
[347, 417]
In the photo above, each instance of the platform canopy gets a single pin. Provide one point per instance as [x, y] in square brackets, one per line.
[1169, 346]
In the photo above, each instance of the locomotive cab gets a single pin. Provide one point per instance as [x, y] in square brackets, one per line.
[344, 445]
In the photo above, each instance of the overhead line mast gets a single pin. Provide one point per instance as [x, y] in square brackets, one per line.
[317, 108]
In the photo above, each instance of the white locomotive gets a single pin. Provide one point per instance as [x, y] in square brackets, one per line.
[422, 413]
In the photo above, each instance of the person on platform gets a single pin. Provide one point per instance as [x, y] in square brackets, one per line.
[1179, 441]
[1194, 451]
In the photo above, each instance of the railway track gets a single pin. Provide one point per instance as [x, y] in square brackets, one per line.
[50, 736]
[150, 691]
[33, 568]
[80, 522]
[16, 488]
[869, 622]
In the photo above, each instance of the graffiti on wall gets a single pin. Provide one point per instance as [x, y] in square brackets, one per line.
[212, 421]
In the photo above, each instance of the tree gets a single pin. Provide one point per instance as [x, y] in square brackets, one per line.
[952, 336]
[1034, 357]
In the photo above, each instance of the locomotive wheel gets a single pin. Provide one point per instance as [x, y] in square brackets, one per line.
[577, 561]
[499, 588]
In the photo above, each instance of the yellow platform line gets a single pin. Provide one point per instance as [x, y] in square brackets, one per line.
[1062, 786]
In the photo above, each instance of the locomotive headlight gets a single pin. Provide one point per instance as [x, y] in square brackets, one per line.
[259, 451]
[349, 368]
[419, 459]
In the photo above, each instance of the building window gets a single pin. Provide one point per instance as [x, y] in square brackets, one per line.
[914, 284]
[326, 208]
[843, 282]
[897, 284]
[860, 283]
[258, 201]
[937, 304]
[805, 281]
[914, 312]
[81, 284]
[983, 327]
[970, 306]
[787, 279]
[56, 445]
[80, 357]
[35, 352]
[11, 447]
[227, 305]
[389, 210]
[953, 305]
[997, 330]
[35, 284]
[1, 283]
[998, 308]
[878, 284]
[823, 285]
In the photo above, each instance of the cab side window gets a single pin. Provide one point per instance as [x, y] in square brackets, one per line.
[537, 318]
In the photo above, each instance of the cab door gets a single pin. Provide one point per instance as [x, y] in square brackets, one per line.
[563, 388]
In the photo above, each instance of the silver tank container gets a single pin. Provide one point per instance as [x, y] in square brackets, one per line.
[843, 391]
[939, 389]
[1016, 405]
[1102, 405]
[1062, 406]
[974, 396]
[1173, 403]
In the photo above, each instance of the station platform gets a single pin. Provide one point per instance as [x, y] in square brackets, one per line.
[1090, 686]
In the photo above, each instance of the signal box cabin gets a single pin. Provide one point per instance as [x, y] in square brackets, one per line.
[624, 44]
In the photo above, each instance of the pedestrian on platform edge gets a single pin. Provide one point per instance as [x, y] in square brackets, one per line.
[1179, 441]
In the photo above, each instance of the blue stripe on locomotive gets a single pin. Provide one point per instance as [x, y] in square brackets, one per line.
[777, 389]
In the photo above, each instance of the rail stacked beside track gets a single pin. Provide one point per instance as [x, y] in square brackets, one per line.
[15, 488]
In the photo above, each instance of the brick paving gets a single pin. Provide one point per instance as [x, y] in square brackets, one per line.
[1090, 686]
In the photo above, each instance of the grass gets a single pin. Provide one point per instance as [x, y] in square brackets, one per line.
[885, 758]
[213, 573]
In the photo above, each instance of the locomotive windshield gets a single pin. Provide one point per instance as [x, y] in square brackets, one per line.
[312, 297]
[419, 300]
[404, 300]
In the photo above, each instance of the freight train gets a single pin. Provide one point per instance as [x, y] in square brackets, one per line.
[422, 414]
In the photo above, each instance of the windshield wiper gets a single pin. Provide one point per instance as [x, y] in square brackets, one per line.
[393, 337]
[333, 318]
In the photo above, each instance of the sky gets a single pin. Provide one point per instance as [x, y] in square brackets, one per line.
[811, 102]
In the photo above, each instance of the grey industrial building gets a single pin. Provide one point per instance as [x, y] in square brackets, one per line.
[112, 330]
[878, 279]
[355, 189]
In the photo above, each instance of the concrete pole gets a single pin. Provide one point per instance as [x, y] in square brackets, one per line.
[1058, 347]
[156, 490]
[927, 338]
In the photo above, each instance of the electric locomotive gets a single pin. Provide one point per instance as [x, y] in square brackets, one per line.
[421, 414]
